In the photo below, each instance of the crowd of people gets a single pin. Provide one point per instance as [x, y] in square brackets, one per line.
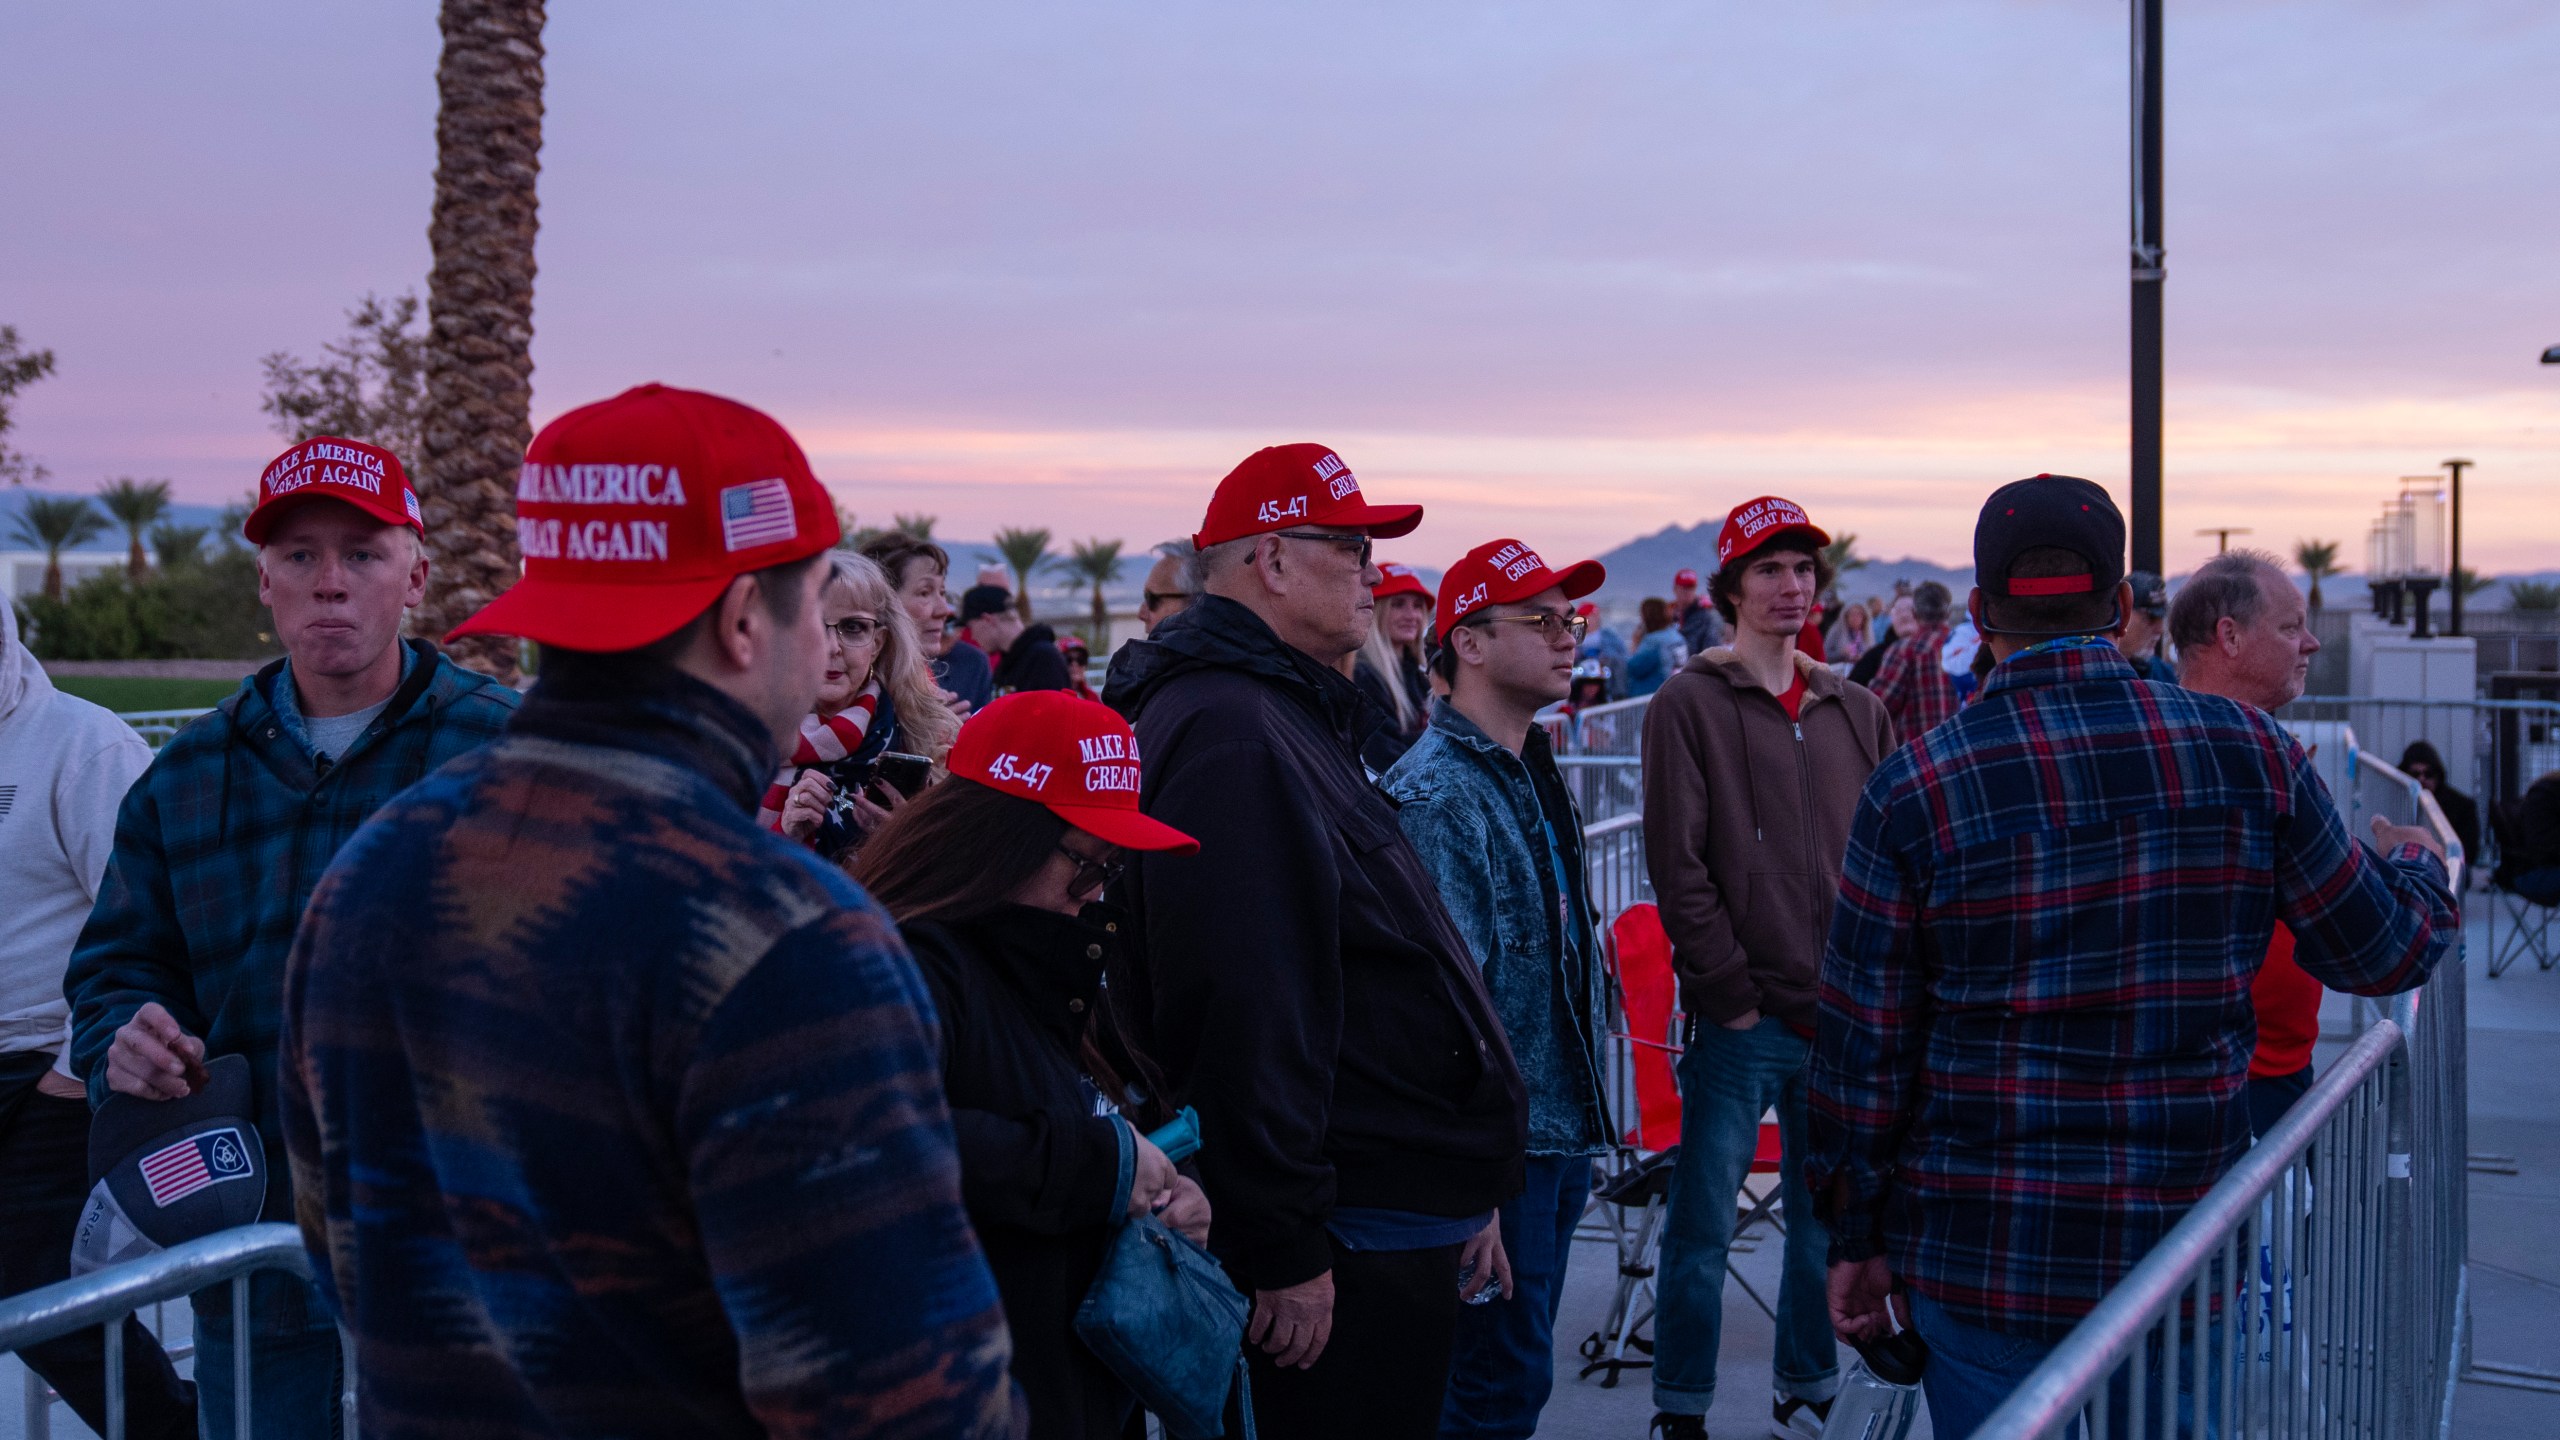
[776, 1019]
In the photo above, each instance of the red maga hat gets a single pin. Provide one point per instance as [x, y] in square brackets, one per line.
[1501, 571]
[1399, 580]
[634, 513]
[1281, 487]
[1684, 577]
[1075, 756]
[1755, 523]
[326, 467]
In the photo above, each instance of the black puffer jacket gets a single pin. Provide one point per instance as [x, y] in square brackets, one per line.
[1040, 1170]
[1298, 980]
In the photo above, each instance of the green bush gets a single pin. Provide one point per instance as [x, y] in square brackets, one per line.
[202, 609]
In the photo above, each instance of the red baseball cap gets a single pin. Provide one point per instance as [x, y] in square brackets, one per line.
[1755, 523]
[327, 467]
[1685, 577]
[1400, 580]
[1501, 571]
[1281, 486]
[634, 513]
[1075, 756]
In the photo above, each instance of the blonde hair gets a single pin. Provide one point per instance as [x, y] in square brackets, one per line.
[925, 724]
[1381, 654]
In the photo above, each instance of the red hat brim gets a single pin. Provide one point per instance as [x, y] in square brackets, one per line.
[1384, 522]
[1581, 578]
[264, 518]
[1127, 829]
[602, 618]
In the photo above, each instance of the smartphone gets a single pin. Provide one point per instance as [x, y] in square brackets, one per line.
[907, 772]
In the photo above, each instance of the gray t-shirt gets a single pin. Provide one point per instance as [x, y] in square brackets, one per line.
[332, 734]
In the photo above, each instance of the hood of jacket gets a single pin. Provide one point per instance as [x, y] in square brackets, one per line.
[1216, 633]
[1821, 682]
[20, 675]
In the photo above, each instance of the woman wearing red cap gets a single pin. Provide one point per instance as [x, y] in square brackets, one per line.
[994, 877]
[1392, 669]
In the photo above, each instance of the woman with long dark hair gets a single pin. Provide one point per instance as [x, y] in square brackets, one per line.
[992, 876]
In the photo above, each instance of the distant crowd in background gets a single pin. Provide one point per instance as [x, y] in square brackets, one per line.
[827, 1004]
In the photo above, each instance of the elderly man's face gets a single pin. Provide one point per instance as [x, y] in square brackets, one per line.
[2270, 657]
[1906, 619]
[1163, 596]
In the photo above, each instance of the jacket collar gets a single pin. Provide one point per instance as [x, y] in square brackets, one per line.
[1449, 720]
[657, 710]
[2059, 664]
[1821, 682]
[1054, 961]
[1216, 633]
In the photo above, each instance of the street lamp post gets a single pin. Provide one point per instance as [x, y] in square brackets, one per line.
[2149, 276]
[2222, 536]
[2453, 540]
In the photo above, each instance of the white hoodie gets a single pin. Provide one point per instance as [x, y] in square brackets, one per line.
[64, 767]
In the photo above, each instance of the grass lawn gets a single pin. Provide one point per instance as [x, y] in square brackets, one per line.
[127, 692]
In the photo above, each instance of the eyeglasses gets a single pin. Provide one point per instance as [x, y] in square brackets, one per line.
[856, 630]
[1363, 544]
[1092, 872]
[1549, 623]
[1158, 599]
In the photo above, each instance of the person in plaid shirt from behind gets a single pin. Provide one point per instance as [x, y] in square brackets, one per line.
[1913, 685]
[2035, 1015]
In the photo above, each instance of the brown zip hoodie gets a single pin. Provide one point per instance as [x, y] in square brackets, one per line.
[1746, 817]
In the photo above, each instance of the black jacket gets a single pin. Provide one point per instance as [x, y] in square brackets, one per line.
[1040, 1170]
[1032, 662]
[1297, 980]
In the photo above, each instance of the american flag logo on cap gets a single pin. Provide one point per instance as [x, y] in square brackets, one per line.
[174, 1172]
[756, 514]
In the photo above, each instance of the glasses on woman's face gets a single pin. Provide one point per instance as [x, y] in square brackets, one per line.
[1550, 624]
[1092, 871]
[856, 631]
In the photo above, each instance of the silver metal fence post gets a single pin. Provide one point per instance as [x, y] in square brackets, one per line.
[115, 1378]
[240, 1347]
[2402, 1344]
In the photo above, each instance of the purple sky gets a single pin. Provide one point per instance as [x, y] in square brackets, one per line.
[1567, 272]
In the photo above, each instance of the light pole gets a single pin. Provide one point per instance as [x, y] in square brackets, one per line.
[2453, 541]
[2222, 536]
[2149, 276]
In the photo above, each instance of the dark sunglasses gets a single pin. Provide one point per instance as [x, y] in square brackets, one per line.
[1091, 873]
[1359, 544]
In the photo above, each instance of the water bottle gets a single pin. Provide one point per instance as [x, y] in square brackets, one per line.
[1880, 1391]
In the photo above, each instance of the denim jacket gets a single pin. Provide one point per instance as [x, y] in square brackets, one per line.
[1473, 811]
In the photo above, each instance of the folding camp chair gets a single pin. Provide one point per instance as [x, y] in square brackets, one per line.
[1634, 1198]
[2528, 921]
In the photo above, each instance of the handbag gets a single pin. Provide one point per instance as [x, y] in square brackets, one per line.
[1165, 1318]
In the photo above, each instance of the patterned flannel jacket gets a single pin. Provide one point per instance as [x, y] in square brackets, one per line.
[1914, 687]
[217, 849]
[2035, 1016]
[612, 1113]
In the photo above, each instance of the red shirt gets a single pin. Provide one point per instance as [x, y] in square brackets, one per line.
[2288, 1002]
[1794, 698]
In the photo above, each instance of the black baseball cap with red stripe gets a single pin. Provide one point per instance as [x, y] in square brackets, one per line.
[2063, 512]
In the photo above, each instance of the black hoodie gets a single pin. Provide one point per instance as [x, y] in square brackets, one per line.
[1298, 980]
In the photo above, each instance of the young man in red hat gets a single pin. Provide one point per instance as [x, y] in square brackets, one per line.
[219, 843]
[1753, 756]
[610, 1111]
[1700, 627]
[1485, 805]
[1298, 979]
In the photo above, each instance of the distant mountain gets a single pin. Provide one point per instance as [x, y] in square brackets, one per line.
[1644, 566]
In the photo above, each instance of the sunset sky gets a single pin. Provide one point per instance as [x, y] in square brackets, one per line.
[1572, 272]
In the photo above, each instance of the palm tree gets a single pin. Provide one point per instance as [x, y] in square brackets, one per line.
[1024, 552]
[1842, 554]
[2535, 595]
[2319, 560]
[174, 545]
[2469, 582]
[918, 526]
[53, 524]
[135, 504]
[1097, 563]
[480, 312]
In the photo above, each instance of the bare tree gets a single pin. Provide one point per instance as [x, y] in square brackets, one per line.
[20, 367]
[480, 312]
[369, 384]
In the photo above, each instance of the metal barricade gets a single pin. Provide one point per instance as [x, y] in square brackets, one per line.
[107, 1297]
[1601, 752]
[156, 726]
[2321, 1288]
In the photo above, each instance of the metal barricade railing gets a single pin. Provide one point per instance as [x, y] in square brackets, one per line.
[2493, 749]
[1613, 868]
[107, 1297]
[1601, 752]
[156, 726]
[2321, 1288]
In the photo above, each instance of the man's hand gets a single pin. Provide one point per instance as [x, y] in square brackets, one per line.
[152, 1058]
[1293, 1325]
[1152, 1179]
[959, 708]
[1484, 1261]
[1748, 1019]
[1858, 1291]
[1186, 1209]
[806, 807]
[2391, 837]
[60, 1086]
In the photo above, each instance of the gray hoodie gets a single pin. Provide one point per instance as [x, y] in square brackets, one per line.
[64, 767]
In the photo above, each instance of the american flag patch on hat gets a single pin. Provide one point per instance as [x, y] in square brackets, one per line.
[756, 514]
[174, 1172]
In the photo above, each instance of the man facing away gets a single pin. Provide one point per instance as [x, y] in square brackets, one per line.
[1298, 980]
[1485, 805]
[220, 842]
[610, 1111]
[2035, 999]
[1912, 682]
[1700, 623]
[65, 765]
[2243, 633]
[1753, 756]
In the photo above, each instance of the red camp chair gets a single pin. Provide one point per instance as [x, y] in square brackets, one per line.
[1633, 1199]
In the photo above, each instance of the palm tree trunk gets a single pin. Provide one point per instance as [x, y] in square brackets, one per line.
[53, 573]
[136, 563]
[480, 312]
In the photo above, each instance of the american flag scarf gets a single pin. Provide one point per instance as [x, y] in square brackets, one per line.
[824, 739]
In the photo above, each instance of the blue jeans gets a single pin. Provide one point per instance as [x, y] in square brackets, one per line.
[1504, 1365]
[1727, 1079]
[1973, 1369]
[293, 1361]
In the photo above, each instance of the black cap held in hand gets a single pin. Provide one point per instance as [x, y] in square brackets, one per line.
[2062, 511]
[168, 1171]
